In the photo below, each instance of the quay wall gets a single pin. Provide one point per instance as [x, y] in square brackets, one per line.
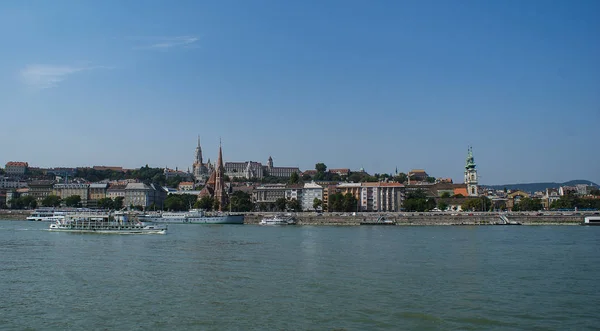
[437, 219]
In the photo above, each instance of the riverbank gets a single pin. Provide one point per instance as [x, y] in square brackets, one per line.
[406, 219]
[437, 219]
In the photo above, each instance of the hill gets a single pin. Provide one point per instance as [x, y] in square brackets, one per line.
[534, 187]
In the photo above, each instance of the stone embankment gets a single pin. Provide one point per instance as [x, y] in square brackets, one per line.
[426, 219]
[14, 215]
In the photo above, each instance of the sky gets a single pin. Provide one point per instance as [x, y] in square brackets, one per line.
[379, 85]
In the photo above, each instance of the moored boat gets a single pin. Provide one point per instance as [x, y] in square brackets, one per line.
[591, 220]
[194, 216]
[380, 221]
[106, 224]
[278, 220]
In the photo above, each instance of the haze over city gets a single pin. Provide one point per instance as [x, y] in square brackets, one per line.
[379, 85]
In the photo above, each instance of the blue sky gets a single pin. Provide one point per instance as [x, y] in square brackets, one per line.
[373, 84]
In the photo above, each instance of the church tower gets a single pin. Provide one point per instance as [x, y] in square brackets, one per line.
[471, 174]
[198, 153]
[220, 190]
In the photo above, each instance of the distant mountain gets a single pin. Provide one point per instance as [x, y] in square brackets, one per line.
[534, 187]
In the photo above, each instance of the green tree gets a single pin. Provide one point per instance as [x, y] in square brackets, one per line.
[336, 202]
[175, 203]
[595, 192]
[528, 204]
[321, 167]
[317, 204]
[106, 203]
[430, 179]
[29, 202]
[216, 204]
[349, 203]
[458, 196]
[73, 201]
[400, 178]
[241, 201]
[477, 204]
[294, 178]
[51, 201]
[294, 205]
[445, 195]
[280, 204]
[118, 203]
[442, 205]
[205, 203]
[417, 201]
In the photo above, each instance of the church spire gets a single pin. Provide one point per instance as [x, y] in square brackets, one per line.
[220, 191]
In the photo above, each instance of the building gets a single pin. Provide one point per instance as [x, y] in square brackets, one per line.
[550, 196]
[7, 183]
[380, 196]
[344, 172]
[248, 170]
[144, 195]
[310, 192]
[514, 197]
[186, 186]
[16, 168]
[172, 173]
[417, 175]
[66, 190]
[200, 170]
[39, 189]
[220, 190]
[115, 190]
[471, 175]
[294, 192]
[97, 191]
[268, 193]
[281, 172]
[352, 188]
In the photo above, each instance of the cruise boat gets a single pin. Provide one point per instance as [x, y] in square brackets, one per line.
[47, 215]
[104, 223]
[278, 220]
[591, 220]
[193, 216]
[380, 221]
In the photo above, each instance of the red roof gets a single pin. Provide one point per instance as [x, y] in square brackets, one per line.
[17, 164]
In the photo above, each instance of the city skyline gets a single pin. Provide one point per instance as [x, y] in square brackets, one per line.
[404, 85]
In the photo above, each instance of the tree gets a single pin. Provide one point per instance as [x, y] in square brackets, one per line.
[336, 202]
[477, 204]
[51, 201]
[241, 201]
[349, 203]
[430, 179]
[417, 201]
[280, 204]
[29, 202]
[118, 203]
[294, 178]
[442, 205]
[205, 203]
[595, 192]
[458, 196]
[400, 178]
[106, 203]
[528, 204]
[294, 205]
[216, 204]
[317, 204]
[445, 195]
[321, 167]
[73, 201]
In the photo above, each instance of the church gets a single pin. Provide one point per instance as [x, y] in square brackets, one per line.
[201, 170]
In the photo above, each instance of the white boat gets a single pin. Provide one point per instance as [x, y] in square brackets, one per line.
[591, 220]
[106, 224]
[278, 220]
[194, 216]
[47, 215]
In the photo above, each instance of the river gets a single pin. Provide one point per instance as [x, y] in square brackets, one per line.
[249, 277]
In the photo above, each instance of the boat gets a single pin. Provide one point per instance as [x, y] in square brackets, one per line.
[193, 216]
[278, 220]
[380, 221]
[591, 220]
[105, 223]
[46, 215]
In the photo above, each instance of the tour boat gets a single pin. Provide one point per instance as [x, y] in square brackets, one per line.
[278, 220]
[106, 224]
[591, 220]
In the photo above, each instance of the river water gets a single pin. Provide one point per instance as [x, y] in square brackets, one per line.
[246, 277]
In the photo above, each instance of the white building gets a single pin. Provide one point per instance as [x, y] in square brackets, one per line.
[471, 175]
[8, 183]
[16, 168]
[310, 192]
